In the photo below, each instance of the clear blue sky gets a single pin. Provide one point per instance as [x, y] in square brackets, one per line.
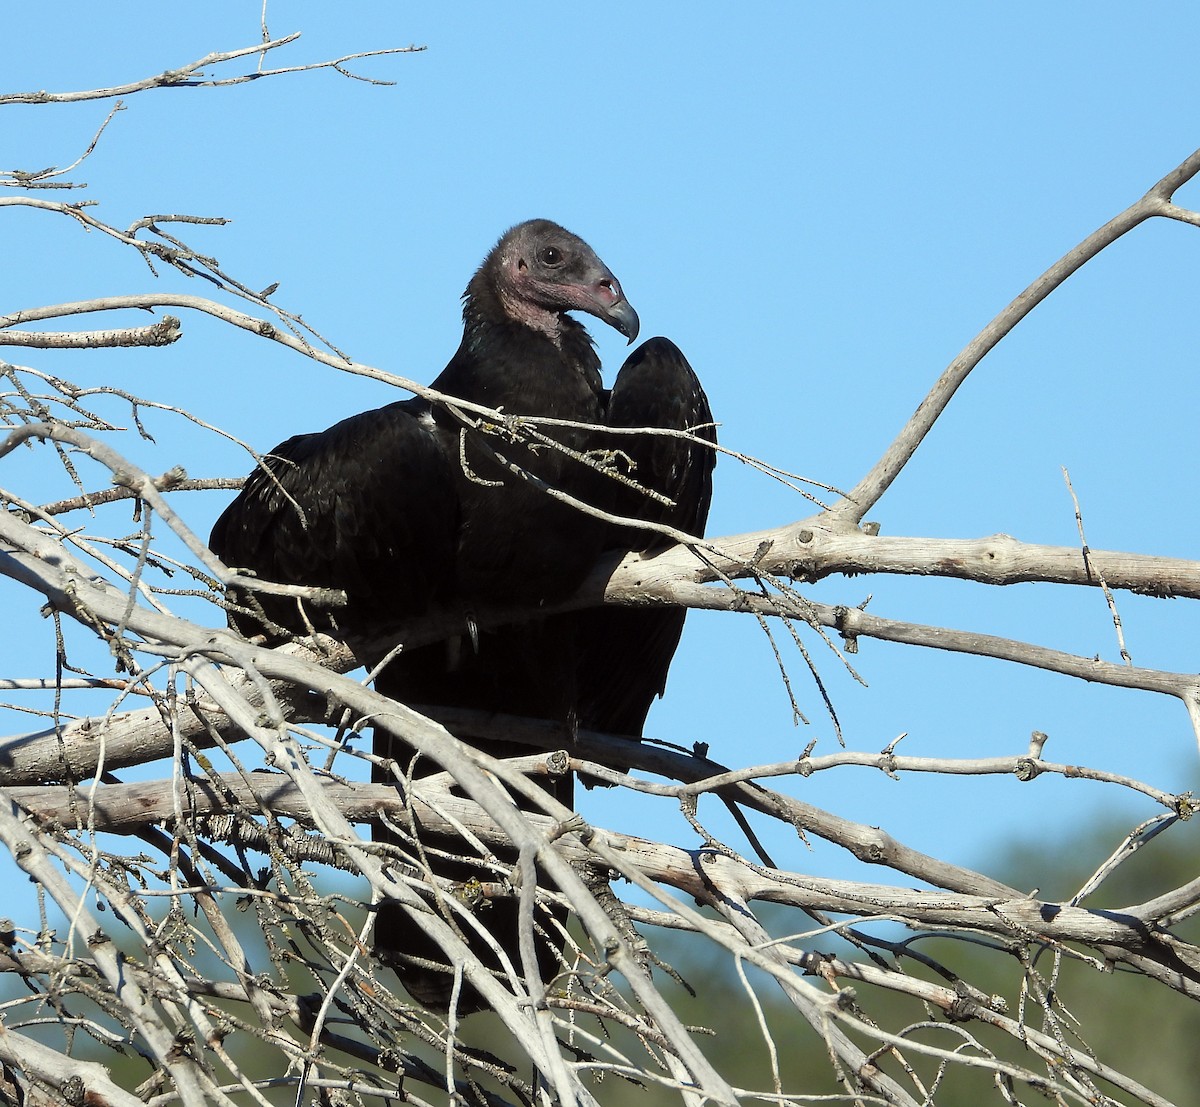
[820, 204]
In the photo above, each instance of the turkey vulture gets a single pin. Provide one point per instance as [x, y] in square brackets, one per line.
[409, 510]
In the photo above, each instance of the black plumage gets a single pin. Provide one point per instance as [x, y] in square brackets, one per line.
[624, 653]
[409, 511]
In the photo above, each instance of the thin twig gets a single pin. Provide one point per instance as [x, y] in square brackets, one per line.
[186, 76]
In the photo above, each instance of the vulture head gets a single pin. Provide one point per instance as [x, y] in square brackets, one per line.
[538, 270]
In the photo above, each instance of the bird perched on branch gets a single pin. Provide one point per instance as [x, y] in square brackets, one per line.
[421, 507]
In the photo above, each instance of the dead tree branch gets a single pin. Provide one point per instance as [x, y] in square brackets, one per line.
[256, 774]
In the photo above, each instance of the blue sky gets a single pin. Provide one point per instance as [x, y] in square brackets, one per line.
[820, 205]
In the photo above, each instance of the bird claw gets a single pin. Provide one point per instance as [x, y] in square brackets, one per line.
[514, 428]
[606, 460]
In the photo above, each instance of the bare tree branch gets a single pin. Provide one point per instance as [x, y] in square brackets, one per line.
[157, 334]
[258, 787]
[190, 75]
[1157, 202]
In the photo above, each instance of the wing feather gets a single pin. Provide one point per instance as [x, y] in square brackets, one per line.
[625, 653]
[368, 505]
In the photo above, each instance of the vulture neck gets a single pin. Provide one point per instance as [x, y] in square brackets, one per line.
[508, 361]
[490, 302]
[545, 321]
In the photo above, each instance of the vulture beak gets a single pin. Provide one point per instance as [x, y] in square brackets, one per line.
[608, 303]
[622, 316]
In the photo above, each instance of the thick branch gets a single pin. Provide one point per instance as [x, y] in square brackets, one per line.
[811, 549]
[157, 334]
[57, 1071]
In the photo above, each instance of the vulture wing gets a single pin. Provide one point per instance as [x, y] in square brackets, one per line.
[625, 652]
[368, 506]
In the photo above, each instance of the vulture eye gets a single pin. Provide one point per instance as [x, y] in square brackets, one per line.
[550, 255]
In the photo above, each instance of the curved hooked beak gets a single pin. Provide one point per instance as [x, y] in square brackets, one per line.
[622, 316]
[596, 291]
[610, 305]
